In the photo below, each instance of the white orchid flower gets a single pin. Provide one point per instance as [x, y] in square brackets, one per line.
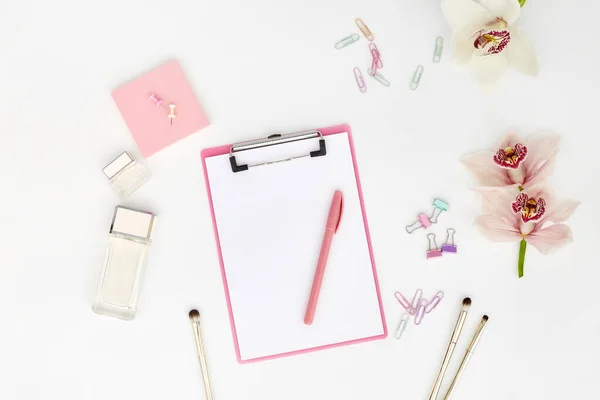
[486, 40]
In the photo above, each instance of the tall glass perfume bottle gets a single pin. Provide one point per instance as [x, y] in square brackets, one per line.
[128, 243]
[126, 175]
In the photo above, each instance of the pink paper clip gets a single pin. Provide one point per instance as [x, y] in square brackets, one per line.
[376, 55]
[420, 314]
[433, 250]
[362, 85]
[374, 67]
[157, 102]
[435, 300]
[421, 222]
[404, 303]
[414, 304]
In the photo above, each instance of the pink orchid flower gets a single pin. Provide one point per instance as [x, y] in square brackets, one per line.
[515, 161]
[533, 216]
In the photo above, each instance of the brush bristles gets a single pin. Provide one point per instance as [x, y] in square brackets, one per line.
[466, 303]
[485, 318]
[194, 315]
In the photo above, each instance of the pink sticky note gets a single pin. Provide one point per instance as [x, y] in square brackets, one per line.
[147, 122]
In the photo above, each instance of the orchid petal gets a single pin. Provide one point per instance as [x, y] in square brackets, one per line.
[540, 148]
[496, 229]
[483, 168]
[521, 54]
[460, 13]
[542, 173]
[560, 212]
[541, 155]
[462, 44]
[488, 69]
[541, 191]
[508, 10]
[509, 140]
[549, 239]
[498, 202]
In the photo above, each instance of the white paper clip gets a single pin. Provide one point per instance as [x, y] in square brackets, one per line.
[378, 77]
[416, 78]
[401, 326]
[347, 41]
[439, 47]
[414, 304]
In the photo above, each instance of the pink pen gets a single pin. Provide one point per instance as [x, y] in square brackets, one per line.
[333, 223]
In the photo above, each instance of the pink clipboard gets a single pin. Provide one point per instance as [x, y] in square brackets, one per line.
[380, 317]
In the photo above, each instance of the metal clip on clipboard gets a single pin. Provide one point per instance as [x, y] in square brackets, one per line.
[272, 141]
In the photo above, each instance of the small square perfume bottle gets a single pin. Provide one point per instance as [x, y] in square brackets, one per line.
[128, 242]
[126, 175]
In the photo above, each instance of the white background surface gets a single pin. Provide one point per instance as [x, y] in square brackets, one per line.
[269, 66]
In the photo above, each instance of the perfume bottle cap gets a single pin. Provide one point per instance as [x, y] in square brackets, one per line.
[133, 223]
[117, 165]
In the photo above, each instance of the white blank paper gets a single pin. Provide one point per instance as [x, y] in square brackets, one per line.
[270, 222]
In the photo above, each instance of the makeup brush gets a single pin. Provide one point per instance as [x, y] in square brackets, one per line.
[467, 357]
[195, 319]
[460, 322]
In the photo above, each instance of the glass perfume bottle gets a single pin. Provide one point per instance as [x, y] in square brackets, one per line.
[128, 243]
[126, 175]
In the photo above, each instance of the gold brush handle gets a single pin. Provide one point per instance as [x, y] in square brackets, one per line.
[438, 382]
[462, 367]
[203, 365]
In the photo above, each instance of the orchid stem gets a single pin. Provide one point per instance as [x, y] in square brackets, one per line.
[522, 250]
[522, 2]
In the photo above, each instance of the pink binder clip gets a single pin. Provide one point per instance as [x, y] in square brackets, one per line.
[421, 222]
[433, 303]
[420, 312]
[433, 250]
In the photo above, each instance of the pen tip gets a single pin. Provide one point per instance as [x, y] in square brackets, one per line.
[466, 303]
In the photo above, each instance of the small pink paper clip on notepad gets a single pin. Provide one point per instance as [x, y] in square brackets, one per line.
[421, 222]
[433, 250]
